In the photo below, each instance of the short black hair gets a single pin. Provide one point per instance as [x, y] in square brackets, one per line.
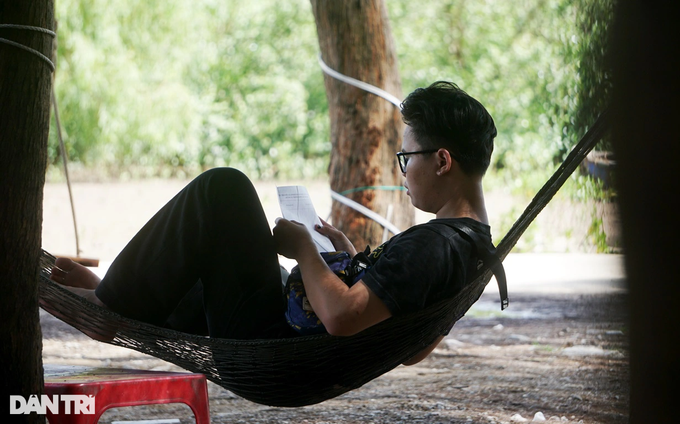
[443, 115]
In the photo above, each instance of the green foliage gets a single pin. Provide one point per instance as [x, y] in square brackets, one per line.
[593, 85]
[584, 187]
[597, 234]
[181, 86]
[189, 85]
[509, 56]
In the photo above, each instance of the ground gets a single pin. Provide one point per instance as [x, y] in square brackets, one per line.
[560, 350]
[565, 356]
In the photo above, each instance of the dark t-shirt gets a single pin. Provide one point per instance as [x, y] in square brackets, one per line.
[419, 267]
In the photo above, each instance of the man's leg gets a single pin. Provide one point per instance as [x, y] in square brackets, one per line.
[214, 230]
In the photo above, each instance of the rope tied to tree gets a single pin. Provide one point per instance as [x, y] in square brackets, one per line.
[35, 52]
[359, 84]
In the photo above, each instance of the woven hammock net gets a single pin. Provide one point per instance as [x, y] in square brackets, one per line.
[302, 370]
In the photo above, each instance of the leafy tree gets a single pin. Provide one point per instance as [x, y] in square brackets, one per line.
[509, 56]
[190, 85]
[594, 20]
[173, 86]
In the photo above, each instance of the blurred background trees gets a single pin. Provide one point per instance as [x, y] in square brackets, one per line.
[163, 88]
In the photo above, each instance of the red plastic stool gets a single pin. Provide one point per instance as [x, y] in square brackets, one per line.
[121, 387]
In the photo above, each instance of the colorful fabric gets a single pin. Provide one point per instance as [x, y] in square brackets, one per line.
[299, 313]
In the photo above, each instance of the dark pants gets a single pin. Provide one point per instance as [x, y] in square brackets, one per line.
[205, 263]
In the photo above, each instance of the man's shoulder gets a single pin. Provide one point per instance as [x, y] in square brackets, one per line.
[438, 237]
[448, 227]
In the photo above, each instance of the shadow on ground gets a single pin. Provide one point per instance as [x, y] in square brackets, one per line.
[565, 356]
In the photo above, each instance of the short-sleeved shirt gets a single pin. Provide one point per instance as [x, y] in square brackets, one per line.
[419, 267]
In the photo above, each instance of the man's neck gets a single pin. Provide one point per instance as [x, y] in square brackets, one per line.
[467, 201]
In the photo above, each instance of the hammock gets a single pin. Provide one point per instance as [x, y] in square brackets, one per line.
[310, 369]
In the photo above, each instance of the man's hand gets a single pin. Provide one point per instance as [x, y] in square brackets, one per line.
[292, 239]
[337, 237]
[343, 310]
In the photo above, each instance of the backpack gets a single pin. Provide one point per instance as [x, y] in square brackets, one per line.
[299, 313]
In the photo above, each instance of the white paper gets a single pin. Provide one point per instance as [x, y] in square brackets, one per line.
[296, 205]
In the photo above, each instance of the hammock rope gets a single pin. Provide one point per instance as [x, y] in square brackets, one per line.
[302, 370]
[64, 159]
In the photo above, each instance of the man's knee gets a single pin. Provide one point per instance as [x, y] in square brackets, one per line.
[218, 181]
[223, 174]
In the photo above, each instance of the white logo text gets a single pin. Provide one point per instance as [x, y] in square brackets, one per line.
[56, 404]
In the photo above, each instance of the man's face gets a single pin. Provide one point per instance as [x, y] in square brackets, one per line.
[419, 172]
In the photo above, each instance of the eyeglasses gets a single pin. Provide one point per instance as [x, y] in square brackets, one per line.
[403, 157]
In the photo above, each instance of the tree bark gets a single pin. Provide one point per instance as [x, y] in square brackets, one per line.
[355, 40]
[646, 142]
[25, 82]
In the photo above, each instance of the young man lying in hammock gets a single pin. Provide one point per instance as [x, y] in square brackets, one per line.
[206, 263]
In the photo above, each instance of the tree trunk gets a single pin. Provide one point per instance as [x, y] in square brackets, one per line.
[646, 142]
[25, 82]
[355, 40]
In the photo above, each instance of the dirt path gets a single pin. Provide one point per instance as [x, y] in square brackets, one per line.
[109, 214]
[562, 355]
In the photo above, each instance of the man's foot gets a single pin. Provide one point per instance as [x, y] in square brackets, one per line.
[82, 282]
[77, 279]
[73, 274]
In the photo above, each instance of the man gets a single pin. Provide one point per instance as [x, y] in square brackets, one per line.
[209, 250]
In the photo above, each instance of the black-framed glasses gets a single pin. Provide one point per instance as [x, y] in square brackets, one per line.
[402, 157]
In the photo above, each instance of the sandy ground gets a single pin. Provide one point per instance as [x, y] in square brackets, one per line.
[560, 350]
[109, 214]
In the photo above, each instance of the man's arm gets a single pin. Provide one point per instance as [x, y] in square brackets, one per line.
[343, 310]
[349, 310]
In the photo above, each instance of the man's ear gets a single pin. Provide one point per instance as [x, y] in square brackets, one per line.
[444, 161]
